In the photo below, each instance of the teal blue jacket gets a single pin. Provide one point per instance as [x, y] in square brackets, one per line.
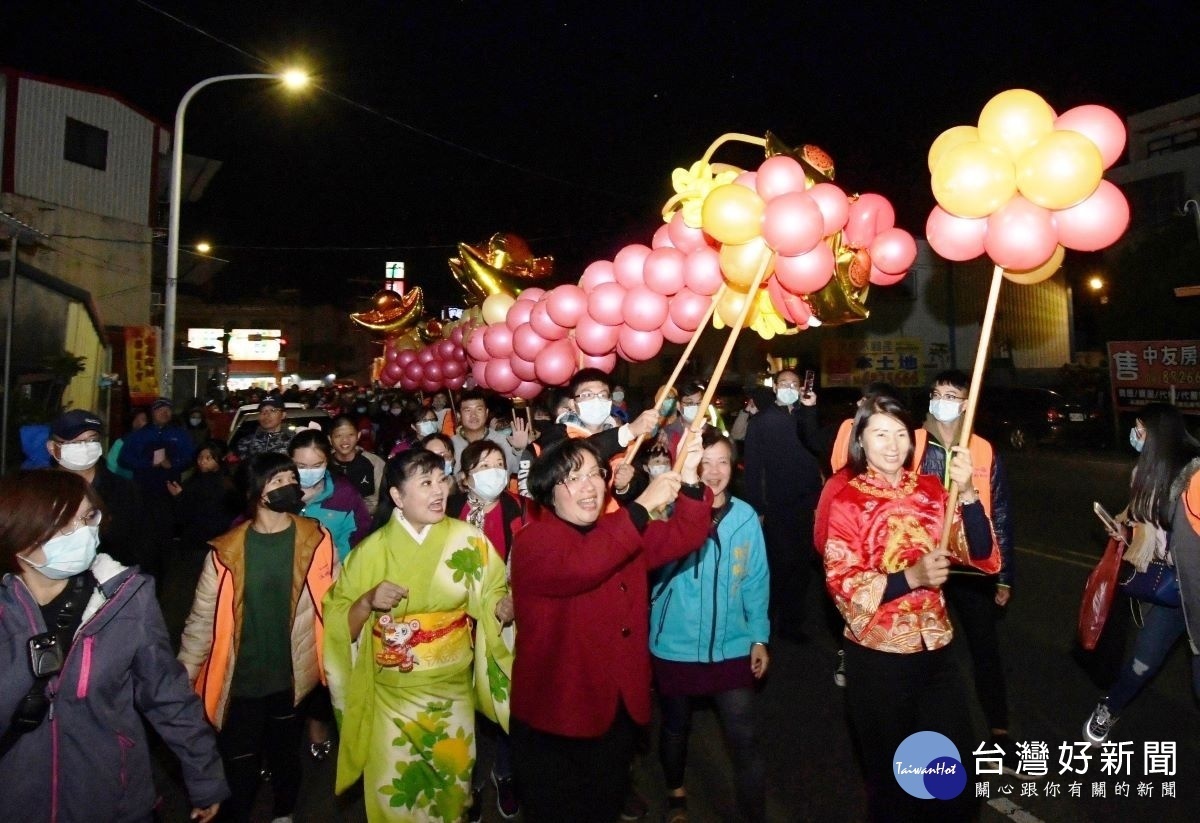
[712, 604]
[340, 509]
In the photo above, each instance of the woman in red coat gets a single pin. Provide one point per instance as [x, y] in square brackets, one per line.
[581, 678]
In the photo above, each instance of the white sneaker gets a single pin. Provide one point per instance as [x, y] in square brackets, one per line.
[839, 674]
[1099, 724]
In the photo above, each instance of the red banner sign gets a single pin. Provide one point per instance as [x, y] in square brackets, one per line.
[1147, 371]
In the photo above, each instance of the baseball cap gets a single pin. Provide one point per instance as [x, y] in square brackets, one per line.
[75, 422]
[160, 403]
[271, 401]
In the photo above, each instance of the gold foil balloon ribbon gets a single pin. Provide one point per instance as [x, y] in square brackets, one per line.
[504, 265]
[391, 313]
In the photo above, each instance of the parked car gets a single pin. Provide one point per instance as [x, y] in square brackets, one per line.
[296, 416]
[1021, 417]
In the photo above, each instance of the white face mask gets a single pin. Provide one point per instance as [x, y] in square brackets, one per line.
[310, 477]
[945, 411]
[79, 457]
[594, 412]
[655, 471]
[489, 483]
[68, 554]
[618, 396]
[787, 396]
[426, 427]
[688, 411]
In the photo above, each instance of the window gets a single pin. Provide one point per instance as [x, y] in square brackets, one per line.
[85, 145]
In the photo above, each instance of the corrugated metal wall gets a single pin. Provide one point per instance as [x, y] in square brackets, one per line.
[121, 191]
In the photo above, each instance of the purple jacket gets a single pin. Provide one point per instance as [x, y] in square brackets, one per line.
[89, 759]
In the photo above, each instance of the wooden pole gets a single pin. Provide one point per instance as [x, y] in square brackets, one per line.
[981, 355]
[734, 331]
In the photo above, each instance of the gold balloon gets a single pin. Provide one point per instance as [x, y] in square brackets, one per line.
[408, 340]
[496, 307]
[1014, 120]
[1039, 273]
[504, 265]
[974, 179]
[948, 139]
[840, 301]
[391, 313]
[732, 214]
[1060, 170]
[740, 263]
[817, 164]
[729, 307]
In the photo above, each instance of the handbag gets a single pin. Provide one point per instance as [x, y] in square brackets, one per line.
[1098, 593]
[1158, 585]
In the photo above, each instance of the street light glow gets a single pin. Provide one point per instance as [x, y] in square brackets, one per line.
[294, 78]
[203, 247]
[1095, 283]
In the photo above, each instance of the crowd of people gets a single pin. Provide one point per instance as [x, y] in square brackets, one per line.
[441, 592]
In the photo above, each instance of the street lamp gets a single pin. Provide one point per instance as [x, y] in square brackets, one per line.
[293, 79]
[203, 247]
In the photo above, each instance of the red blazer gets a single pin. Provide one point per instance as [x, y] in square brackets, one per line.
[583, 618]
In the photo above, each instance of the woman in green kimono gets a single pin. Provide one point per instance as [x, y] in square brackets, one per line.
[403, 671]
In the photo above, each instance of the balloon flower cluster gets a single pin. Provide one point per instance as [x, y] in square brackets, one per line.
[782, 238]
[440, 364]
[1025, 184]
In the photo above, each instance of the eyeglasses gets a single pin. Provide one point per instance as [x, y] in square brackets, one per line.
[92, 518]
[592, 395]
[574, 482]
[935, 395]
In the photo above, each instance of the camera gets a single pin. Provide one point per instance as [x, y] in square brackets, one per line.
[45, 655]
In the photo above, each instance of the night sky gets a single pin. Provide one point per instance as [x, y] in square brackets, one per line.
[443, 122]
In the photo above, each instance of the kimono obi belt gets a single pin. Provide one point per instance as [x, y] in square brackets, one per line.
[433, 642]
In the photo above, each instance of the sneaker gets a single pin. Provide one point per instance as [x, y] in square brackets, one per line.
[1099, 724]
[635, 806]
[506, 797]
[475, 813]
[320, 751]
[839, 674]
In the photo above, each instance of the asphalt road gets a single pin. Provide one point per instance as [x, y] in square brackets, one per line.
[812, 773]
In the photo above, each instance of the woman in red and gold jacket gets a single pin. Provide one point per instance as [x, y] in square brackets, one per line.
[884, 571]
[581, 674]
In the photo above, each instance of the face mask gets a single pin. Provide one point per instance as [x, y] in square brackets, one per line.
[79, 457]
[311, 477]
[68, 554]
[505, 432]
[1137, 441]
[618, 396]
[945, 411]
[395, 411]
[489, 483]
[426, 427]
[688, 411]
[448, 468]
[787, 396]
[285, 499]
[384, 407]
[195, 420]
[361, 409]
[655, 471]
[594, 412]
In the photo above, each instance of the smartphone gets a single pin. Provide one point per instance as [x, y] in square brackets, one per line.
[809, 377]
[1110, 525]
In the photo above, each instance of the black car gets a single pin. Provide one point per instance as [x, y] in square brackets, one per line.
[1021, 417]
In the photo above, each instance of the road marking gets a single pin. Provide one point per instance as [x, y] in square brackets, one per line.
[1081, 564]
[1012, 811]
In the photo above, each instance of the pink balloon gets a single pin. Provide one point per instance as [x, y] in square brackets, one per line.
[389, 354]
[497, 339]
[893, 251]
[683, 236]
[543, 324]
[604, 304]
[663, 271]
[595, 338]
[527, 389]
[393, 371]
[456, 383]
[456, 335]
[1100, 125]
[533, 294]
[475, 348]
[805, 273]
[527, 342]
[687, 311]
[643, 309]
[638, 346]
[792, 223]
[702, 271]
[673, 334]
[405, 357]
[433, 371]
[866, 217]
[431, 385]
[446, 349]
[628, 264]
[661, 238]
[479, 373]
[415, 371]
[605, 364]
[1020, 235]
[523, 368]
[779, 175]
[453, 368]
[596, 273]
[518, 313]
[555, 364]
[1095, 223]
[566, 304]
[408, 384]
[500, 375]
[834, 206]
[427, 355]
[879, 277]
[792, 307]
[954, 237]
[748, 179]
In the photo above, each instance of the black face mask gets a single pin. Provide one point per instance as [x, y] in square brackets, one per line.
[285, 499]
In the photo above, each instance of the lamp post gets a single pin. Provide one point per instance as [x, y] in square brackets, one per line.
[292, 79]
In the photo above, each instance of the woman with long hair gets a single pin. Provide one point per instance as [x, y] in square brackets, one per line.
[84, 659]
[1165, 448]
